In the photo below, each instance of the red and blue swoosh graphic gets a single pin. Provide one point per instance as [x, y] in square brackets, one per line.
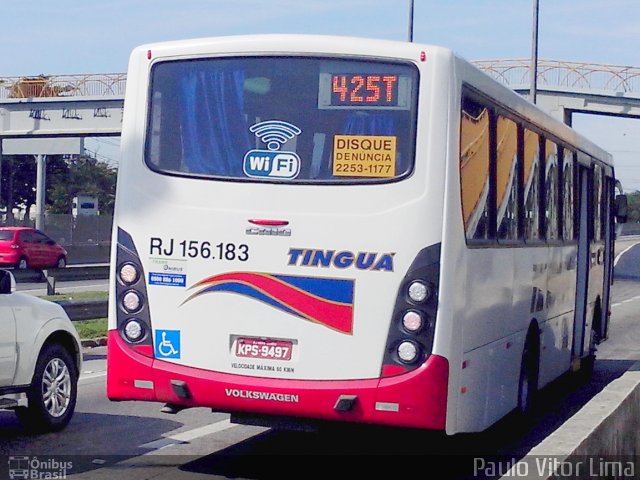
[327, 301]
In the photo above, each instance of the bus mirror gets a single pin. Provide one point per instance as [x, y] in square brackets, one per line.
[621, 208]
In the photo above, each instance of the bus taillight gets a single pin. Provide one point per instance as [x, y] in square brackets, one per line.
[412, 321]
[132, 311]
[134, 330]
[419, 291]
[128, 274]
[410, 338]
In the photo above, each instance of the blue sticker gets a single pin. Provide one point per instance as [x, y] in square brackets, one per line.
[272, 163]
[167, 343]
[167, 279]
[266, 164]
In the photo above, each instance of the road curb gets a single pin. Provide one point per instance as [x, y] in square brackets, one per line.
[94, 342]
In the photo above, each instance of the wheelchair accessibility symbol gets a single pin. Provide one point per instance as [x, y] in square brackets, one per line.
[167, 343]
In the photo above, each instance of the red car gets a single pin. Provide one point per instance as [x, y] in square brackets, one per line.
[24, 247]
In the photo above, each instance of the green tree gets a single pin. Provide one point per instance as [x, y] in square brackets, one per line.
[633, 200]
[19, 179]
[86, 175]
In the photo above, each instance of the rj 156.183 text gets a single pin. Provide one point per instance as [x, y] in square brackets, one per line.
[198, 249]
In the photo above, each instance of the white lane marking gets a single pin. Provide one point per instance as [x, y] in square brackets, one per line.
[189, 435]
[628, 300]
[615, 262]
[89, 376]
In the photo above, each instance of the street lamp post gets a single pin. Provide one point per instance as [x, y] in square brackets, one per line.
[410, 20]
[534, 53]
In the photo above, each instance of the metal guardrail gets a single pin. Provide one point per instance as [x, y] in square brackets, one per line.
[71, 272]
[84, 309]
[76, 309]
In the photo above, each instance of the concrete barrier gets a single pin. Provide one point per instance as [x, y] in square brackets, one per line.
[602, 440]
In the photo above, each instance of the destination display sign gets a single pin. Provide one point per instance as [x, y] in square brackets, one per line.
[364, 91]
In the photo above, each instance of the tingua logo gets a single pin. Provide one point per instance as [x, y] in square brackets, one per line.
[272, 163]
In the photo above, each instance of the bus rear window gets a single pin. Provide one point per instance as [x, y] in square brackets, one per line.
[283, 119]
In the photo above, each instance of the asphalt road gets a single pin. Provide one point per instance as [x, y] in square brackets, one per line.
[130, 440]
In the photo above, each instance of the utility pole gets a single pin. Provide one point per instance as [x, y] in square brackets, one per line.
[534, 53]
[41, 172]
[411, 20]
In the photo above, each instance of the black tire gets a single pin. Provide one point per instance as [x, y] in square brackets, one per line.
[587, 364]
[53, 392]
[528, 381]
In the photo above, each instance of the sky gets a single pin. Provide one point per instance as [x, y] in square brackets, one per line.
[90, 36]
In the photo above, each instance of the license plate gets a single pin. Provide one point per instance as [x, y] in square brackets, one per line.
[264, 348]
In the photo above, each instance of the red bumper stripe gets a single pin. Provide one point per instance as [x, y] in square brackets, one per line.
[420, 395]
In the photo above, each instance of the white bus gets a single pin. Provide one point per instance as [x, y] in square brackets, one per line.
[315, 228]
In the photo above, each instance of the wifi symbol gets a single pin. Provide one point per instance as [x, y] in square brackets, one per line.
[274, 132]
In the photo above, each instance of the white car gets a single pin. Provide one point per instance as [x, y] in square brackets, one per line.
[40, 359]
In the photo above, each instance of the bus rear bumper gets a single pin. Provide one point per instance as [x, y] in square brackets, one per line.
[416, 399]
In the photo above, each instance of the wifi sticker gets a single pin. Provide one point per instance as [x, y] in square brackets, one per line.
[272, 163]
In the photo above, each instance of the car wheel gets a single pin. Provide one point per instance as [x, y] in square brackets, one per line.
[23, 264]
[53, 392]
[62, 262]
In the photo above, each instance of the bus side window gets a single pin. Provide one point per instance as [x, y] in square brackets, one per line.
[531, 186]
[551, 191]
[475, 169]
[598, 202]
[568, 196]
[507, 176]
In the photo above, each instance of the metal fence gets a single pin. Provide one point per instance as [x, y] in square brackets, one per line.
[69, 230]
[573, 75]
[82, 85]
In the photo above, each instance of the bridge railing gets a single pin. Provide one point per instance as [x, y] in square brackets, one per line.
[573, 75]
[85, 85]
[515, 73]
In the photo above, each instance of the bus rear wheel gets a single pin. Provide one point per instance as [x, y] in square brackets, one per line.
[528, 381]
[587, 364]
